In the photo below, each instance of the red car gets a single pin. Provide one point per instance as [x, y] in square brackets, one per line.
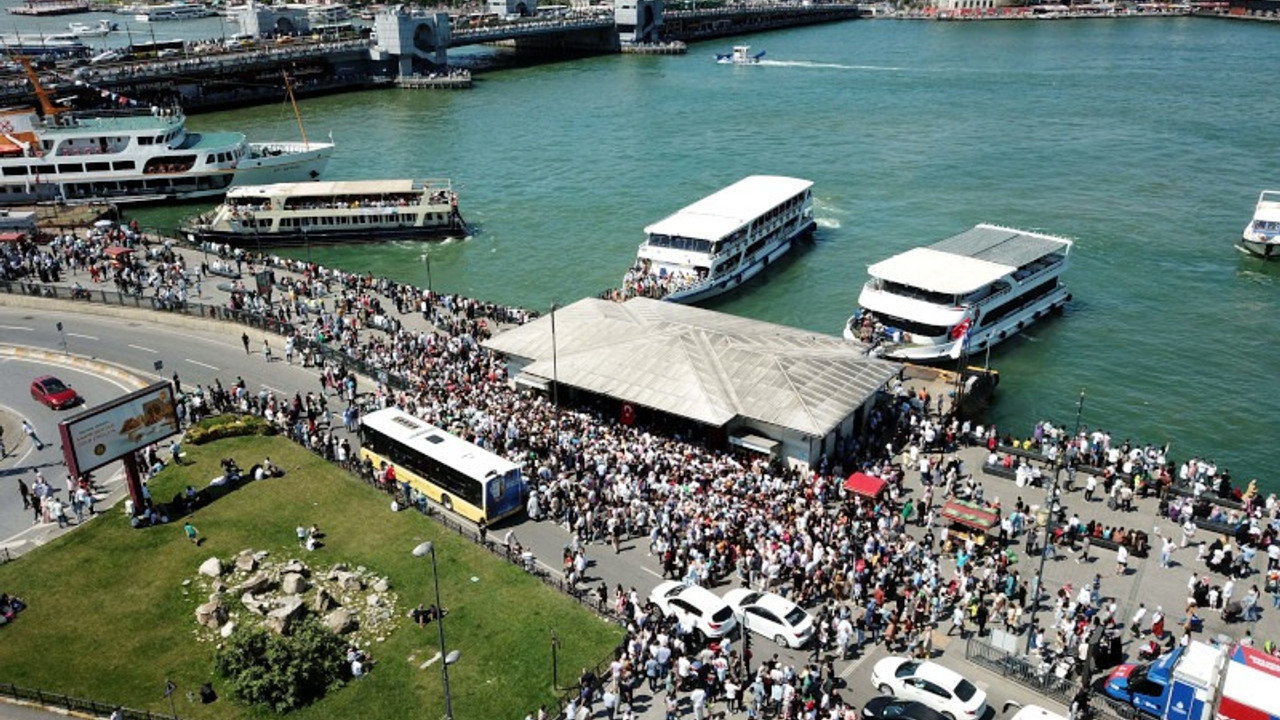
[53, 392]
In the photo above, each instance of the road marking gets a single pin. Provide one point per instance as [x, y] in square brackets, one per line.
[854, 665]
[271, 389]
[206, 365]
[654, 573]
[84, 337]
[144, 349]
[17, 327]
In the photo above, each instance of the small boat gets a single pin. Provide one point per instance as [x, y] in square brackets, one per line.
[102, 29]
[721, 241]
[741, 55]
[1262, 236]
[968, 292]
[323, 213]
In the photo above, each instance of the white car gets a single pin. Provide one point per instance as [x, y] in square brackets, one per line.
[694, 607]
[771, 615]
[931, 684]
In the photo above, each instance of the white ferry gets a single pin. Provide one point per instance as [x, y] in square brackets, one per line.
[721, 241]
[968, 292]
[741, 55]
[102, 29]
[131, 156]
[173, 11]
[331, 212]
[1262, 236]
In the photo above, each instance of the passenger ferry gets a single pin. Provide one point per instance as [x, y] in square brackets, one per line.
[968, 292]
[721, 241]
[1262, 236]
[173, 11]
[331, 212]
[132, 156]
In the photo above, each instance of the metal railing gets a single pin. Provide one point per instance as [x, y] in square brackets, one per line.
[1039, 677]
[71, 703]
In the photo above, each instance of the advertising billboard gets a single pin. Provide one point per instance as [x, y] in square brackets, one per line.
[102, 434]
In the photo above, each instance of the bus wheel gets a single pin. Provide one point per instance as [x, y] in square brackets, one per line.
[447, 502]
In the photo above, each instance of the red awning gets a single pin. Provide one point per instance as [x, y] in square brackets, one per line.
[969, 514]
[12, 237]
[116, 251]
[864, 485]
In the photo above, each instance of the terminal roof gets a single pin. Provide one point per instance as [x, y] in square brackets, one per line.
[707, 366]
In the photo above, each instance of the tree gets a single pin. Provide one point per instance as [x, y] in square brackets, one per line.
[283, 673]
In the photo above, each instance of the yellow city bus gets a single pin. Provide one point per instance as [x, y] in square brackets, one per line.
[459, 475]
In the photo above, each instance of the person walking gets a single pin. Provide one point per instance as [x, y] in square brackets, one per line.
[1122, 561]
[244, 339]
[191, 532]
[266, 350]
[25, 492]
[1166, 552]
[30, 431]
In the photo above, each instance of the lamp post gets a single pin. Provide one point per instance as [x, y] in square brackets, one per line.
[555, 373]
[446, 659]
[1051, 504]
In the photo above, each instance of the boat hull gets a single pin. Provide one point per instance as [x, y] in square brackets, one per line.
[1265, 249]
[334, 237]
[724, 284]
[297, 163]
[979, 340]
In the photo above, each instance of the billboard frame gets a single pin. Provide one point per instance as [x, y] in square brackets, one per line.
[164, 424]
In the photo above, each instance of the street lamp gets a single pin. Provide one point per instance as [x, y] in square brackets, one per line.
[447, 659]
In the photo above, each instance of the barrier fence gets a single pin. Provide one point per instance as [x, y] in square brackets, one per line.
[71, 703]
[1040, 678]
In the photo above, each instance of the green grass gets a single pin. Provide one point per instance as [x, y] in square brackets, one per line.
[109, 618]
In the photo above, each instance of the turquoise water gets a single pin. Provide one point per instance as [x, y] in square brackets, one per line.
[1144, 140]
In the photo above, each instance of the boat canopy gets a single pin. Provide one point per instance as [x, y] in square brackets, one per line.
[721, 213]
[332, 189]
[971, 260]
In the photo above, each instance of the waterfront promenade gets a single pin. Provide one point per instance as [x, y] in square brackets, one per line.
[1143, 581]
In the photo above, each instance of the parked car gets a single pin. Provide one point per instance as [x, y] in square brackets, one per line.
[890, 708]
[771, 615]
[932, 684]
[51, 391]
[695, 607]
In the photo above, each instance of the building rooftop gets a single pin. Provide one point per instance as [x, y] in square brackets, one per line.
[706, 366]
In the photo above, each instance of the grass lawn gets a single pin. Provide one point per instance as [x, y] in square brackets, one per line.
[109, 618]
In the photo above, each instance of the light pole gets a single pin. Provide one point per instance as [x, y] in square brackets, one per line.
[1051, 504]
[555, 373]
[427, 548]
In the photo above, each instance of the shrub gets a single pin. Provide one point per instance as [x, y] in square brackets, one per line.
[283, 673]
[225, 426]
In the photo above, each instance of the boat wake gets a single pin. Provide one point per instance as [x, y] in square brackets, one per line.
[824, 66]
[827, 223]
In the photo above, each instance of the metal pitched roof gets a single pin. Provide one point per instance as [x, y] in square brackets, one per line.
[1002, 245]
[728, 209]
[703, 365]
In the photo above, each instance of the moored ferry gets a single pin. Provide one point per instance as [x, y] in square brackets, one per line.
[968, 292]
[132, 155]
[1262, 236]
[331, 212]
[172, 11]
[722, 240]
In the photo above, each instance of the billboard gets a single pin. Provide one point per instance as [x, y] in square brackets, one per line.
[100, 435]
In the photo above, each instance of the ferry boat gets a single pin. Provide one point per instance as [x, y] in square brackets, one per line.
[331, 212]
[721, 241]
[130, 156]
[1262, 236]
[60, 46]
[741, 55]
[51, 7]
[173, 11]
[968, 292]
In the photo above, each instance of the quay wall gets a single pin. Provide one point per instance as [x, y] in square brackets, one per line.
[688, 25]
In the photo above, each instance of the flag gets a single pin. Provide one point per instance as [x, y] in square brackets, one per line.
[961, 341]
[961, 329]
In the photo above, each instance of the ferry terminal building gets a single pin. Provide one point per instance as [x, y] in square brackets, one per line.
[750, 385]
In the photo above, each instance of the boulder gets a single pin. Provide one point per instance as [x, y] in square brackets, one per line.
[280, 625]
[382, 585]
[334, 571]
[293, 584]
[280, 620]
[246, 563]
[323, 602]
[350, 581]
[340, 621]
[254, 604]
[211, 615]
[374, 600]
[227, 628]
[260, 582]
[295, 566]
[211, 567]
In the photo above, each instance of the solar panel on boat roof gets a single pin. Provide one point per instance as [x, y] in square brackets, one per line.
[999, 245]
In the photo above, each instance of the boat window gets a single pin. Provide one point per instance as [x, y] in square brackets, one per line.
[911, 326]
[19, 170]
[97, 166]
[123, 165]
[145, 140]
[70, 168]
[894, 288]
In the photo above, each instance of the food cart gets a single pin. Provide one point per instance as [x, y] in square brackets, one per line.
[969, 520]
[868, 486]
[120, 256]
